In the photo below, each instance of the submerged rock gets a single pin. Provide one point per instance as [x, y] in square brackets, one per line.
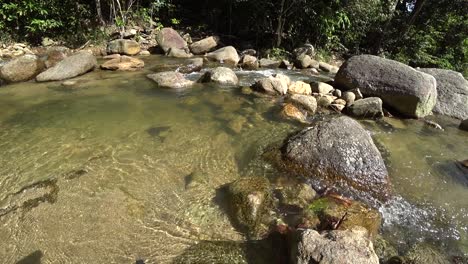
[123, 63]
[220, 75]
[203, 46]
[300, 195]
[172, 80]
[290, 111]
[21, 69]
[309, 103]
[226, 55]
[425, 253]
[384, 250]
[339, 153]
[452, 93]
[123, 46]
[333, 247]
[195, 65]
[168, 38]
[72, 66]
[250, 201]
[367, 107]
[334, 212]
[408, 91]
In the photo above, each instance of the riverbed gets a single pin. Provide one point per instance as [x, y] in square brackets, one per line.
[99, 172]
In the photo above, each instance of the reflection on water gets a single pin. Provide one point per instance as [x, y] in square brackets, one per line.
[120, 152]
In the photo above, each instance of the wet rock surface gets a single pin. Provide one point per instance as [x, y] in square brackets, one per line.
[339, 153]
[220, 75]
[338, 213]
[410, 92]
[333, 247]
[172, 80]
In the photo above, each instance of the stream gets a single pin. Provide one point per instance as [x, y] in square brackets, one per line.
[98, 172]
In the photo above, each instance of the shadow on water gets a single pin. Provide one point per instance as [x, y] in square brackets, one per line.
[271, 250]
[33, 258]
[453, 171]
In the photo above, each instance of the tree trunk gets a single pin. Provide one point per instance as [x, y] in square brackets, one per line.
[417, 9]
[279, 27]
[99, 12]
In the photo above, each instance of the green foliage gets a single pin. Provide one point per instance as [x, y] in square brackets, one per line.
[278, 53]
[34, 19]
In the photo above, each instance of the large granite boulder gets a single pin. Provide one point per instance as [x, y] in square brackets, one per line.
[123, 46]
[169, 38]
[21, 69]
[220, 75]
[225, 55]
[339, 154]
[452, 93]
[72, 66]
[171, 80]
[406, 90]
[333, 247]
[203, 46]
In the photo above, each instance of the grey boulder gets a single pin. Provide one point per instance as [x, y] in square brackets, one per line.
[410, 92]
[72, 66]
[203, 46]
[168, 38]
[171, 80]
[367, 107]
[21, 69]
[224, 55]
[452, 93]
[220, 75]
[339, 153]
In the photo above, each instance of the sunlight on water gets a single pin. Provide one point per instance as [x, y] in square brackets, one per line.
[98, 172]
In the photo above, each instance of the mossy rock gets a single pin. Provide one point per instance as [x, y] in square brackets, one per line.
[299, 195]
[251, 202]
[383, 249]
[424, 253]
[334, 213]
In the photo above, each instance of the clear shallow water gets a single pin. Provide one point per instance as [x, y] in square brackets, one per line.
[106, 164]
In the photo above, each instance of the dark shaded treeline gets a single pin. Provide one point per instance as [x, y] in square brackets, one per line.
[423, 33]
